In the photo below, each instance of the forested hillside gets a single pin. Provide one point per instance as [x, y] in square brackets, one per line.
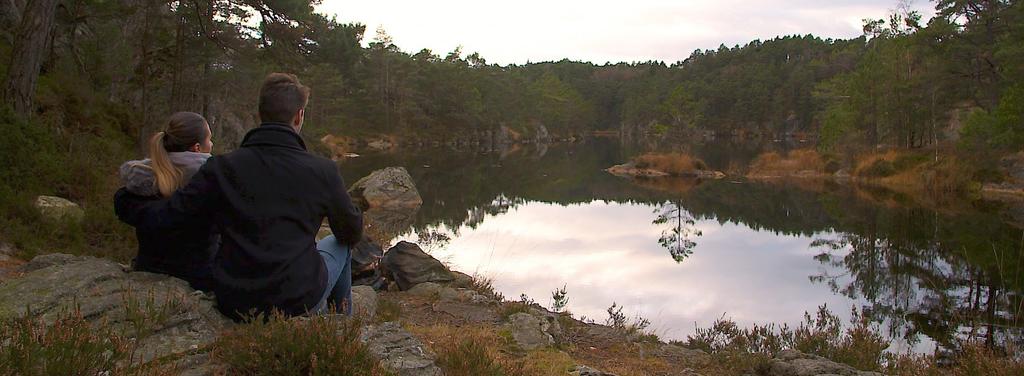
[86, 81]
[897, 84]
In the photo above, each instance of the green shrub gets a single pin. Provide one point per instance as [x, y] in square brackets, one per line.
[860, 345]
[40, 159]
[277, 345]
[1001, 129]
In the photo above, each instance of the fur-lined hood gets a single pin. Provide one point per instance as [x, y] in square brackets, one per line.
[138, 178]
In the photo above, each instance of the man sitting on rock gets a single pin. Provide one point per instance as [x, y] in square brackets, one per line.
[268, 199]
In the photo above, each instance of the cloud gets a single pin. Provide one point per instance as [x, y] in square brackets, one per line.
[601, 30]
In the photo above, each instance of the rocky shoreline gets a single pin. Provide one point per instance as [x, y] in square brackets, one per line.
[406, 302]
[182, 324]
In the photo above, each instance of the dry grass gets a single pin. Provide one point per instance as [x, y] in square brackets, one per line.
[914, 172]
[795, 162]
[670, 163]
[626, 359]
[485, 349]
[388, 309]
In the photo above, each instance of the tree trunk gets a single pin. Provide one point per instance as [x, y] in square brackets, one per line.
[10, 11]
[30, 46]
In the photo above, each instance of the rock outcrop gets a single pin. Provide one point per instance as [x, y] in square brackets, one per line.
[795, 363]
[449, 294]
[364, 301]
[408, 266]
[164, 314]
[388, 187]
[366, 258]
[399, 350]
[386, 223]
[587, 371]
[56, 208]
[631, 170]
[529, 331]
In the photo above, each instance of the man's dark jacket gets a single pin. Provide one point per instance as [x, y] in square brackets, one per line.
[267, 199]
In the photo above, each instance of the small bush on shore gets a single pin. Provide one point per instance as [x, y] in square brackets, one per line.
[670, 163]
[468, 358]
[821, 334]
[277, 345]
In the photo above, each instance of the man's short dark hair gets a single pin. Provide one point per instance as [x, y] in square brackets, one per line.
[281, 97]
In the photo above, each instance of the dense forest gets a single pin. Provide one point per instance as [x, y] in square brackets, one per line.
[85, 81]
[901, 83]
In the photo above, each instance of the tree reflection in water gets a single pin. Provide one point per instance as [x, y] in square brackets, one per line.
[678, 237]
[950, 295]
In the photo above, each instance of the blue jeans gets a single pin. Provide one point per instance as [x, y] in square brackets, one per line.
[338, 261]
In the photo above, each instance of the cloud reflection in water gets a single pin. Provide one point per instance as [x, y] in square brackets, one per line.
[609, 252]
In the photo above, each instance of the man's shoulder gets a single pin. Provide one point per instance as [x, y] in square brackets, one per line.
[243, 155]
[327, 167]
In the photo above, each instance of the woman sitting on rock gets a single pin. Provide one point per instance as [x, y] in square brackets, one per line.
[175, 154]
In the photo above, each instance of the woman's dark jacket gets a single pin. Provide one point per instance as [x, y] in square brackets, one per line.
[186, 251]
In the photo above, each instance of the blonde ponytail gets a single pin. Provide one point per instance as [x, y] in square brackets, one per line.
[168, 176]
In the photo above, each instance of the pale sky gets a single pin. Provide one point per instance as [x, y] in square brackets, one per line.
[600, 30]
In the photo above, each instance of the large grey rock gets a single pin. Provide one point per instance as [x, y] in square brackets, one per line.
[399, 350]
[386, 223]
[366, 254]
[164, 314]
[408, 266]
[795, 363]
[684, 355]
[530, 332]
[541, 134]
[426, 290]
[388, 187]
[364, 301]
[56, 208]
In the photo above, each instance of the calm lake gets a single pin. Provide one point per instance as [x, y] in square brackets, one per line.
[683, 253]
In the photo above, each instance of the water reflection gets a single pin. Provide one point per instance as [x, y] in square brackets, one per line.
[759, 253]
[678, 237]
